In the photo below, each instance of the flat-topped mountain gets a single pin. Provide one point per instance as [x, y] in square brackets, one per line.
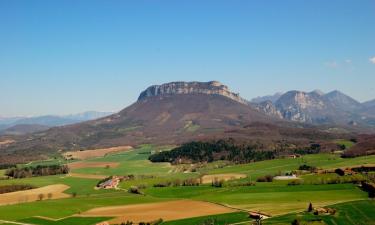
[208, 88]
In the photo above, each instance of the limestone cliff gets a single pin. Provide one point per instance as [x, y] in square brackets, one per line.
[174, 88]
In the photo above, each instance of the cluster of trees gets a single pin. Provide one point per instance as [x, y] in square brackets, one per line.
[313, 149]
[40, 170]
[199, 151]
[178, 182]
[307, 167]
[364, 169]
[7, 166]
[353, 179]
[156, 222]
[15, 187]
[369, 188]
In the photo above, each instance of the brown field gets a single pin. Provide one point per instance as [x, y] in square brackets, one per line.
[94, 153]
[32, 195]
[171, 210]
[206, 179]
[87, 176]
[6, 142]
[78, 165]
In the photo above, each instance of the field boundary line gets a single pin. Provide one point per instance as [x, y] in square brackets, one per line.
[13, 222]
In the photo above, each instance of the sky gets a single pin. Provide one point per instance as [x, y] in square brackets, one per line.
[62, 57]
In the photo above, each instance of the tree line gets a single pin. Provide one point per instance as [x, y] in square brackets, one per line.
[198, 151]
[40, 170]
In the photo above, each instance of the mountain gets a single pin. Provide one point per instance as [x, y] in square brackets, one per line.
[342, 101]
[272, 98]
[369, 104]
[49, 120]
[22, 129]
[175, 88]
[369, 108]
[171, 113]
[318, 108]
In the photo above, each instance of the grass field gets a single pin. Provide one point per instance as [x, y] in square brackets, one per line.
[347, 143]
[349, 213]
[274, 198]
[324, 161]
[67, 221]
[221, 219]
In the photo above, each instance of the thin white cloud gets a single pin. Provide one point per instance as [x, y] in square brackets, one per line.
[372, 60]
[348, 61]
[332, 64]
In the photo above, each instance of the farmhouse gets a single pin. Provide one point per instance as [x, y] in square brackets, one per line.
[110, 183]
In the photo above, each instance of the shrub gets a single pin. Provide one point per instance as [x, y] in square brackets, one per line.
[135, 190]
[217, 183]
[340, 172]
[295, 222]
[310, 208]
[295, 182]
[266, 178]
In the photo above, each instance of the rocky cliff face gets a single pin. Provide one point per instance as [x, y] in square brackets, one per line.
[174, 88]
[317, 108]
[268, 108]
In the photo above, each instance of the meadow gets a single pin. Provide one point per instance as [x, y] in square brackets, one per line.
[349, 213]
[276, 198]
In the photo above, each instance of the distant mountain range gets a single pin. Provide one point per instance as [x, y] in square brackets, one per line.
[317, 107]
[24, 125]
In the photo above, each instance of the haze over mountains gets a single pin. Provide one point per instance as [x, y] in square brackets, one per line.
[24, 125]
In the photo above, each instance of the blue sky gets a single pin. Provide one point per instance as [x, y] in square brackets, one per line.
[61, 57]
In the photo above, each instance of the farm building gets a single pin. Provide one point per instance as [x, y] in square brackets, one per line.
[110, 183]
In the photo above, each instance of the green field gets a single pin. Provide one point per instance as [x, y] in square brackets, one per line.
[350, 213]
[347, 143]
[221, 219]
[274, 198]
[71, 220]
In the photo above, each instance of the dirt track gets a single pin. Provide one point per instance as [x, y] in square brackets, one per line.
[94, 153]
[171, 210]
[33, 195]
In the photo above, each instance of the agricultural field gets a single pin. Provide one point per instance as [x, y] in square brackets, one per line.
[162, 187]
[348, 213]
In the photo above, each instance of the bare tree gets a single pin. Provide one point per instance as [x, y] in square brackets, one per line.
[41, 197]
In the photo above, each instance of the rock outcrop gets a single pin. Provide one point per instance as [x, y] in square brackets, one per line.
[174, 88]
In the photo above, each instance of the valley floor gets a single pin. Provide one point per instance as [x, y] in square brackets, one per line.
[231, 202]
